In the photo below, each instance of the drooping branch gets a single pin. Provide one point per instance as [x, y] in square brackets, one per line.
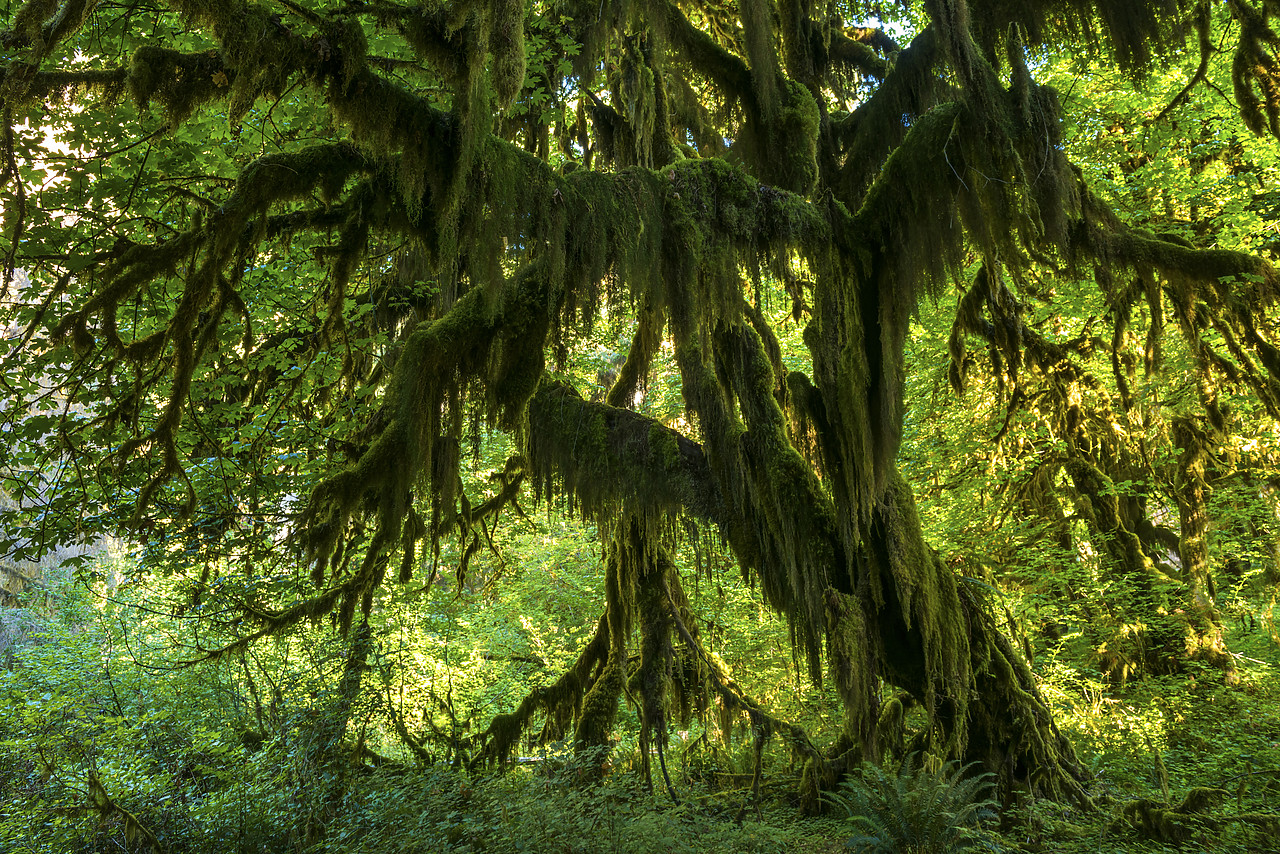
[1255, 65]
[560, 702]
[609, 460]
[41, 25]
[866, 136]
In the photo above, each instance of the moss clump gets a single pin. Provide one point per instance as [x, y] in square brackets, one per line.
[757, 29]
[1135, 32]
[1173, 825]
[506, 40]
[850, 652]
[28, 21]
[180, 82]
[638, 93]
[794, 141]
[926, 599]
[599, 709]
[781, 147]
[560, 703]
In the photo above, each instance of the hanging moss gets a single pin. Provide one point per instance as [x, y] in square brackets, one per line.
[1255, 66]
[688, 110]
[780, 523]
[757, 29]
[700, 49]
[180, 82]
[612, 461]
[259, 50]
[507, 43]
[633, 375]
[1135, 32]
[28, 20]
[1011, 729]
[432, 35]
[929, 603]
[636, 88]
[654, 678]
[1205, 639]
[850, 651]
[876, 128]
[560, 702]
[779, 137]
[1159, 624]
[42, 25]
[422, 406]
[388, 120]
[1104, 505]
[794, 139]
[600, 709]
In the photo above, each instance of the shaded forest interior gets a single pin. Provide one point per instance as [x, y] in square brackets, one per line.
[599, 425]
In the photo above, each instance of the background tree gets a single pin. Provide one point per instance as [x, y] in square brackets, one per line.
[1112, 438]
[336, 241]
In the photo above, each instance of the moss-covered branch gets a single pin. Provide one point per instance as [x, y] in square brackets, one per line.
[610, 460]
[560, 702]
[858, 216]
[41, 25]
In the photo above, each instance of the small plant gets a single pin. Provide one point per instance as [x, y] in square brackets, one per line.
[917, 811]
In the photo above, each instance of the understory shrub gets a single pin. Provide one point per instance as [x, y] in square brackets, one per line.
[918, 811]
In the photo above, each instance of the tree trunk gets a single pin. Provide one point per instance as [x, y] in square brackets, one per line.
[939, 641]
[326, 758]
[1205, 640]
[892, 610]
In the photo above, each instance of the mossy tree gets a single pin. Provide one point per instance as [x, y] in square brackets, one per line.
[1124, 431]
[1117, 470]
[325, 243]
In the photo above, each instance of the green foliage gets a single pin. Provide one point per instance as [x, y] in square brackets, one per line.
[918, 810]
[194, 760]
[337, 283]
[229, 756]
[544, 809]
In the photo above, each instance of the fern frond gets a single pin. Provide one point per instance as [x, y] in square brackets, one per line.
[917, 810]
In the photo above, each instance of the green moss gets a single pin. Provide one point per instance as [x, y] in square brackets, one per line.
[757, 28]
[1135, 33]
[794, 141]
[891, 727]
[637, 89]
[599, 709]
[1173, 825]
[560, 703]
[527, 257]
[850, 657]
[929, 602]
[28, 20]
[506, 39]
[180, 82]
[260, 53]
[1255, 68]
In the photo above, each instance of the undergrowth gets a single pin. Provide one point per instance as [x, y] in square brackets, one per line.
[95, 749]
[918, 810]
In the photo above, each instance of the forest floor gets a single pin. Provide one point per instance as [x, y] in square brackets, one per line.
[1157, 740]
[1149, 744]
[179, 769]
